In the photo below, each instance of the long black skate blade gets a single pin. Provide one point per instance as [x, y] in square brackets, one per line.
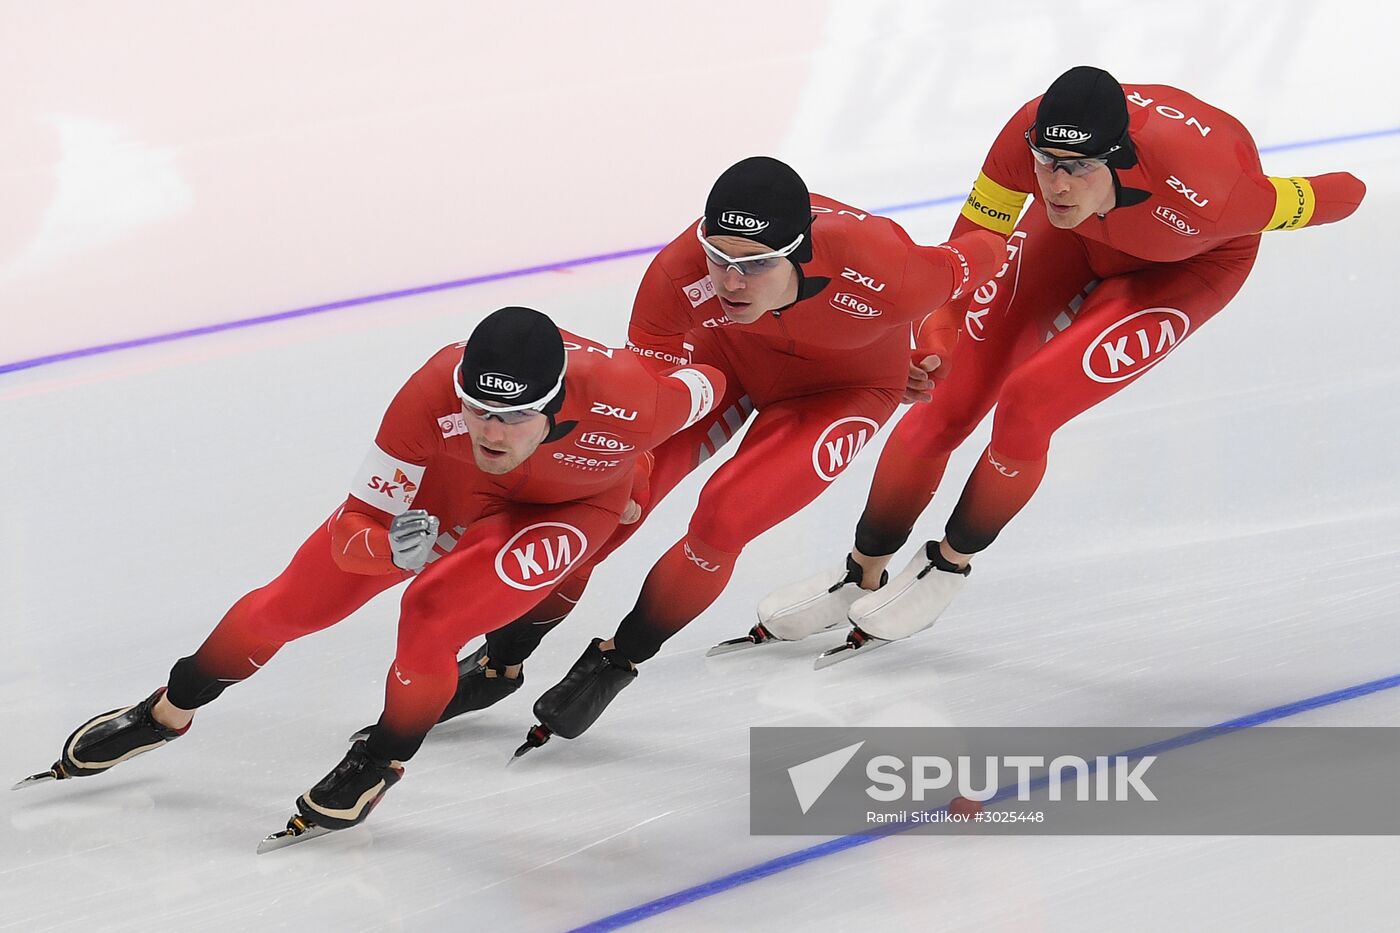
[848, 649]
[298, 830]
[49, 775]
[537, 736]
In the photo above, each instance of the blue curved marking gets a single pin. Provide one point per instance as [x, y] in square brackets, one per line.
[517, 273]
[842, 843]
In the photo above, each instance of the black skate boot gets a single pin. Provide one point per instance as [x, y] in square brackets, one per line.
[575, 703]
[481, 682]
[345, 797]
[479, 685]
[108, 740]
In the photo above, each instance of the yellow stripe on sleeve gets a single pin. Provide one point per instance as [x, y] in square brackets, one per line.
[1294, 205]
[992, 206]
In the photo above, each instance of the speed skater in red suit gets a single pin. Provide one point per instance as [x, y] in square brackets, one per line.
[1150, 205]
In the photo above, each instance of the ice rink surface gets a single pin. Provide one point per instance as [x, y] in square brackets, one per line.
[1215, 541]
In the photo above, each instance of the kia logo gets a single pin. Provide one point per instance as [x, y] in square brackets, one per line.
[1134, 344]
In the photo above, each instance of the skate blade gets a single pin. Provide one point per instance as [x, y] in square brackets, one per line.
[537, 736]
[742, 643]
[362, 734]
[33, 779]
[847, 651]
[298, 830]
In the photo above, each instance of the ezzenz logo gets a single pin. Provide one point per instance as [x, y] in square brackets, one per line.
[854, 305]
[540, 555]
[839, 443]
[741, 222]
[1135, 344]
[602, 442]
[587, 464]
[1174, 220]
[1064, 133]
[500, 385]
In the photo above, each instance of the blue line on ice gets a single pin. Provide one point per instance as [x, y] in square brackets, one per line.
[134, 342]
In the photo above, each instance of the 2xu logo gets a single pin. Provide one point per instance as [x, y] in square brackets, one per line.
[839, 444]
[612, 411]
[540, 555]
[1135, 344]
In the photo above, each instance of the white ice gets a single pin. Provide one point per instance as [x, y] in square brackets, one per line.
[1214, 541]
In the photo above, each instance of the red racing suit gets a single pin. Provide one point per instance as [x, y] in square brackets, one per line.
[506, 540]
[1074, 316]
[824, 374]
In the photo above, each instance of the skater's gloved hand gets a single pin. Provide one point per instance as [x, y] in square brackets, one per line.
[411, 537]
[631, 513]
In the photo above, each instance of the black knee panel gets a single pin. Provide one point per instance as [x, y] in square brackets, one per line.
[638, 639]
[191, 688]
[513, 643]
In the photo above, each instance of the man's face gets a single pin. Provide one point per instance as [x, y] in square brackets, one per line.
[498, 447]
[1070, 199]
[745, 298]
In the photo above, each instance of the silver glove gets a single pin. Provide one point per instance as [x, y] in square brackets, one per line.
[411, 537]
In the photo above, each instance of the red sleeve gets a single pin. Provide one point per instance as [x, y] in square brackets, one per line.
[937, 275]
[360, 539]
[1006, 180]
[408, 430]
[656, 331]
[685, 395]
[387, 480]
[1260, 203]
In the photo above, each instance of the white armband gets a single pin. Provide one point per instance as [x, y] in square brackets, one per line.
[702, 394]
[387, 483]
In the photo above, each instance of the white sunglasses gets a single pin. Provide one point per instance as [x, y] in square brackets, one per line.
[509, 414]
[745, 265]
